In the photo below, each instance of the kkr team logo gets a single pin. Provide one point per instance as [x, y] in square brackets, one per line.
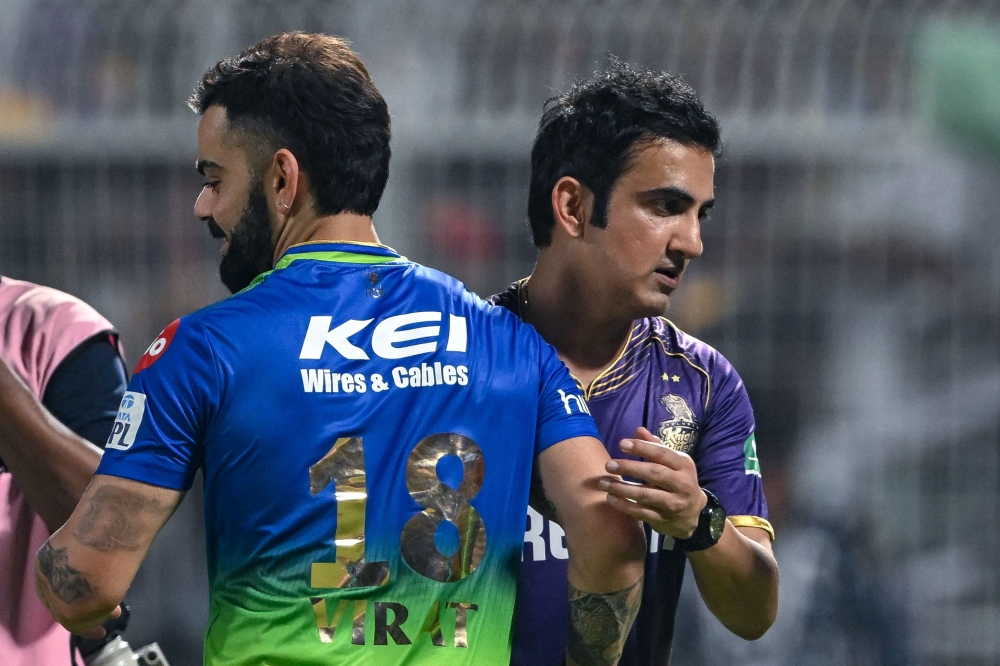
[679, 433]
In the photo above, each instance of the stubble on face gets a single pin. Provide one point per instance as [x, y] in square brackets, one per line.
[252, 246]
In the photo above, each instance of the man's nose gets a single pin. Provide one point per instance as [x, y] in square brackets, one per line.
[202, 210]
[687, 237]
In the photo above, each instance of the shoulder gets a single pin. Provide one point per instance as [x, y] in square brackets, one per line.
[485, 311]
[186, 340]
[509, 298]
[39, 304]
[676, 342]
[722, 379]
[42, 326]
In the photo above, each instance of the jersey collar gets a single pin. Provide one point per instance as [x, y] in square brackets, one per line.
[342, 253]
[347, 252]
[622, 370]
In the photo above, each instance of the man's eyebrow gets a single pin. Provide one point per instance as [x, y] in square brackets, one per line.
[201, 165]
[673, 192]
[678, 193]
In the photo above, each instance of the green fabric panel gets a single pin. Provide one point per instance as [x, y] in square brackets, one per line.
[339, 257]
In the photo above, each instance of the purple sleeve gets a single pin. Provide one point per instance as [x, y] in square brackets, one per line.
[157, 436]
[562, 411]
[727, 456]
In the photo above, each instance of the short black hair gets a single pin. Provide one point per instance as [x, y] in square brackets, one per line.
[312, 95]
[592, 130]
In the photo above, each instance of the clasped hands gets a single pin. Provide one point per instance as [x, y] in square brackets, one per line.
[670, 499]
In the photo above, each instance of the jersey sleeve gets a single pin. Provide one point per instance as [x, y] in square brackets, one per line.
[96, 365]
[727, 457]
[158, 433]
[562, 411]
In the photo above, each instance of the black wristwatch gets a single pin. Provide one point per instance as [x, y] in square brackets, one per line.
[711, 523]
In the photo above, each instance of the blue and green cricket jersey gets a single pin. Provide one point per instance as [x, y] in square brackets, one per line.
[366, 428]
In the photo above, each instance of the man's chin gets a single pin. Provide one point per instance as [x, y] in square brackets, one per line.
[654, 305]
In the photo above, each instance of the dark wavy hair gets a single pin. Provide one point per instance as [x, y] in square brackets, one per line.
[591, 131]
[312, 95]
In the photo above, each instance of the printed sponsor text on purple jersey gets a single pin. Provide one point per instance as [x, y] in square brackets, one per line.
[686, 392]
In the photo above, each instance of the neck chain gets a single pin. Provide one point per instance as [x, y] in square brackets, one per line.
[522, 299]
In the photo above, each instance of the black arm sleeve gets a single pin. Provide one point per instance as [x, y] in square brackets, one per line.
[86, 389]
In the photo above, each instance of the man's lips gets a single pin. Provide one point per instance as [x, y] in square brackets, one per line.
[214, 229]
[216, 232]
[671, 277]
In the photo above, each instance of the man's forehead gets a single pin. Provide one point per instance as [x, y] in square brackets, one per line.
[213, 123]
[216, 149]
[665, 163]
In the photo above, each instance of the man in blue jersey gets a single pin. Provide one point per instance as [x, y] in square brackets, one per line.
[366, 427]
[622, 176]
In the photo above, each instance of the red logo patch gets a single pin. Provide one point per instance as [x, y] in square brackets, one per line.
[159, 346]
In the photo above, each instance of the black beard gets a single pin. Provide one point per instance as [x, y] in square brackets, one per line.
[251, 249]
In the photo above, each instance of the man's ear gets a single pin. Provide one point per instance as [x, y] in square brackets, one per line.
[572, 206]
[284, 181]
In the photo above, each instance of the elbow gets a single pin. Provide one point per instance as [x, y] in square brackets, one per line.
[757, 619]
[78, 607]
[756, 627]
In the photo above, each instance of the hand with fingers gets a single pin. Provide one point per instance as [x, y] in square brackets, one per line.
[670, 499]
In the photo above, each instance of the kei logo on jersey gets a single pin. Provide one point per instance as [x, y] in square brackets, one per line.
[394, 337]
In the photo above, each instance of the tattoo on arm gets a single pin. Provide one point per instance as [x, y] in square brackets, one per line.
[537, 499]
[114, 519]
[599, 623]
[66, 582]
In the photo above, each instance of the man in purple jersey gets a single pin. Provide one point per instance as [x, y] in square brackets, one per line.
[622, 176]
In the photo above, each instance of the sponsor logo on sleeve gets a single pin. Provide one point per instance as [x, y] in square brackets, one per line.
[752, 465]
[157, 349]
[130, 413]
[573, 403]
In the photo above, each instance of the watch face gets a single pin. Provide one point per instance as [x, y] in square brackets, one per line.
[716, 524]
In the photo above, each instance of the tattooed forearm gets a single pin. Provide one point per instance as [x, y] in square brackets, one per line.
[66, 582]
[599, 623]
[113, 519]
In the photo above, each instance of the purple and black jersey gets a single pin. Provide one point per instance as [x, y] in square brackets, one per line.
[686, 392]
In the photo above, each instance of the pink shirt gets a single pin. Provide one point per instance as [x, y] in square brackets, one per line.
[39, 327]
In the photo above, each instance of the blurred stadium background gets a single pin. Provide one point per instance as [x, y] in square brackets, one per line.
[851, 271]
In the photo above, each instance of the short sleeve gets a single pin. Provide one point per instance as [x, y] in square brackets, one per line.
[96, 365]
[159, 430]
[727, 455]
[562, 411]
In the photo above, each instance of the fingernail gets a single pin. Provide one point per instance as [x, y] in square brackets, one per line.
[611, 466]
[626, 445]
[604, 484]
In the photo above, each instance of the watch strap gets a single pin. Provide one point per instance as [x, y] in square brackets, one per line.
[702, 538]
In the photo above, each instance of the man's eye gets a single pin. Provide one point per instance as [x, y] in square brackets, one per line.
[210, 184]
[704, 216]
[672, 207]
